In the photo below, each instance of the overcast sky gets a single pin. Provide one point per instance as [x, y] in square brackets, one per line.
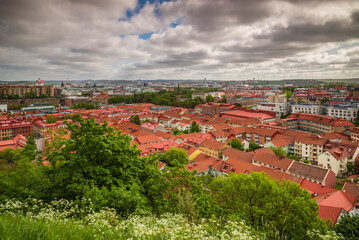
[183, 39]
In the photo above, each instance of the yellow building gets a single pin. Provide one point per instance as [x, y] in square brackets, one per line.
[213, 148]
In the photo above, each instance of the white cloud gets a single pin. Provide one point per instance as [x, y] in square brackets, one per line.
[225, 39]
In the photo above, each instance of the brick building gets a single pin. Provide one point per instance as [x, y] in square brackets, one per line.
[10, 127]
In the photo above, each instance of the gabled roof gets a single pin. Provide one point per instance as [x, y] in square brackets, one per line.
[313, 139]
[280, 140]
[273, 160]
[309, 171]
[238, 155]
[212, 144]
[147, 139]
[329, 213]
[351, 188]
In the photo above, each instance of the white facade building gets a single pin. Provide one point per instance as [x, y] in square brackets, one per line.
[306, 108]
[277, 108]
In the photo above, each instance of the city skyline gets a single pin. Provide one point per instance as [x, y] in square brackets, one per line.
[224, 40]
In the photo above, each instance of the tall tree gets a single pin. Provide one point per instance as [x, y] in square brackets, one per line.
[209, 98]
[194, 127]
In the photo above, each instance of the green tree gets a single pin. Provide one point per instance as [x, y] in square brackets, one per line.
[279, 151]
[348, 226]
[296, 158]
[254, 198]
[103, 158]
[350, 166]
[324, 100]
[175, 157]
[194, 127]
[50, 119]
[223, 100]
[209, 98]
[235, 143]
[135, 119]
[253, 146]
[289, 94]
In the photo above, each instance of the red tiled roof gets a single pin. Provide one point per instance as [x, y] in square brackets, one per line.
[309, 171]
[238, 155]
[351, 188]
[273, 160]
[280, 140]
[329, 213]
[321, 119]
[212, 144]
[313, 139]
[147, 139]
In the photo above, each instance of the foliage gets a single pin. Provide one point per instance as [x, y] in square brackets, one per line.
[223, 100]
[324, 100]
[255, 198]
[296, 158]
[135, 119]
[175, 157]
[103, 158]
[163, 97]
[253, 146]
[194, 127]
[64, 219]
[288, 92]
[279, 151]
[350, 166]
[235, 143]
[87, 106]
[209, 98]
[348, 227]
[51, 119]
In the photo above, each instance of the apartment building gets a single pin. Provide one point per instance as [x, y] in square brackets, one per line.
[336, 156]
[72, 100]
[306, 108]
[258, 135]
[316, 123]
[354, 134]
[345, 111]
[11, 127]
[213, 148]
[277, 98]
[200, 95]
[277, 108]
[21, 91]
[309, 147]
[215, 108]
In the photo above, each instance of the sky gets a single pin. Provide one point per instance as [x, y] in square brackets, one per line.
[182, 39]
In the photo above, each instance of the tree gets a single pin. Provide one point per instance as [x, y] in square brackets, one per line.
[350, 166]
[253, 146]
[289, 94]
[175, 157]
[223, 100]
[279, 151]
[209, 98]
[324, 100]
[194, 127]
[135, 119]
[103, 158]
[255, 198]
[348, 226]
[50, 119]
[237, 144]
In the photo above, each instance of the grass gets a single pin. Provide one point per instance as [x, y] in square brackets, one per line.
[12, 227]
